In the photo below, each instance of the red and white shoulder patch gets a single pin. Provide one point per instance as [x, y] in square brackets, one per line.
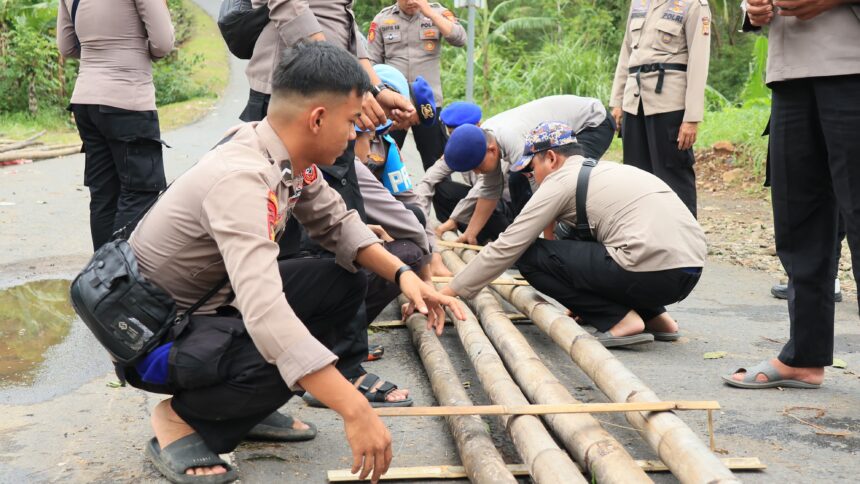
[310, 175]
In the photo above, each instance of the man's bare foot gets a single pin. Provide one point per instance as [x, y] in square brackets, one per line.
[169, 427]
[437, 267]
[629, 325]
[662, 324]
[397, 395]
[808, 375]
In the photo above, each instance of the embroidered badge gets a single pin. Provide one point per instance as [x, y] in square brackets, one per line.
[371, 34]
[310, 174]
[640, 8]
[450, 16]
[706, 26]
[666, 38]
[429, 46]
[390, 21]
[272, 213]
[427, 111]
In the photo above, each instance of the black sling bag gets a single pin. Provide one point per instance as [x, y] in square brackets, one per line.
[241, 25]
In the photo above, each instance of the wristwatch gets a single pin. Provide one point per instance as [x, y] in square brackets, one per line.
[375, 90]
[403, 268]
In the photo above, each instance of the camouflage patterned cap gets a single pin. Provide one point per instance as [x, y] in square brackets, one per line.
[544, 137]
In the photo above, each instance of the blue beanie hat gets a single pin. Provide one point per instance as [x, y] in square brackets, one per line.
[425, 101]
[392, 78]
[466, 148]
[459, 113]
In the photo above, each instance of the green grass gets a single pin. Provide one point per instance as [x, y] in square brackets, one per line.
[212, 73]
[742, 127]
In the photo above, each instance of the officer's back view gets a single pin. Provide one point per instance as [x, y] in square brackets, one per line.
[114, 102]
[408, 36]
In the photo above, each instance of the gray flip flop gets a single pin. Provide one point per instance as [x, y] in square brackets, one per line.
[187, 452]
[609, 341]
[773, 378]
[278, 427]
[663, 336]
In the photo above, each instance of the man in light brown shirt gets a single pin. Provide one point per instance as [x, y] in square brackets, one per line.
[640, 248]
[114, 103]
[659, 89]
[408, 36]
[267, 334]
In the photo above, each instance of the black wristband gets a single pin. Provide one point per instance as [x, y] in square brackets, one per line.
[377, 89]
[403, 268]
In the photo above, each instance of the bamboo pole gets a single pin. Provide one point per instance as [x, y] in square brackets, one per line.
[687, 457]
[583, 436]
[545, 409]
[476, 448]
[23, 144]
[516, 318]
[457, 472]
[458, 245]
[507, 282]
[547, 462]
[40, 154]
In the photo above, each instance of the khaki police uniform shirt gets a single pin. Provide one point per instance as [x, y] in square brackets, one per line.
[665, 31]
[293, 20]
[825, 45]
[642, 223]
[223, 217]
[412, 44]
[510, 129]
[116, 40]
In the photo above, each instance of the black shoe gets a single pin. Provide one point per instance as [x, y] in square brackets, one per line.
[780, 291]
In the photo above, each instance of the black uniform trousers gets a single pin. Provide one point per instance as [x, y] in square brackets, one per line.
[430, 141]
[651, 144]
[448, 195]
[815, 174]
[124, 169]
[220, 383]
[594, 141]
[585, 279]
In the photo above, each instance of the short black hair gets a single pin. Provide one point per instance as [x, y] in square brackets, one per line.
[571, 149]
[319, 67]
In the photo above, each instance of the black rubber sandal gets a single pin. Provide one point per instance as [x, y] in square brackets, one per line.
[375, 352]
[375, 397]
[186, 453]
[278, 427]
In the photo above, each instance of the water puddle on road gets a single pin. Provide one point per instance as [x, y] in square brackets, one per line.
[33, 318]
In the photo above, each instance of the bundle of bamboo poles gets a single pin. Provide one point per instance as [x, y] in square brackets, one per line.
[32, 149]
[481, 460]
[592, 446]
[683, 452]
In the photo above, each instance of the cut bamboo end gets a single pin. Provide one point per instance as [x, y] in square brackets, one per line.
[445, 411]
[458, 245]
[519, 470]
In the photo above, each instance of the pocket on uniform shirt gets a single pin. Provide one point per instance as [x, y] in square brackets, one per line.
[676, 158]
[140, 164]
[669, 37]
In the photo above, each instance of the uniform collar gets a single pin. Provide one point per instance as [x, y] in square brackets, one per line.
[272, 144]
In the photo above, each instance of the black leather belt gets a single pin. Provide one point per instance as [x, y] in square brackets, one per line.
[661, 68]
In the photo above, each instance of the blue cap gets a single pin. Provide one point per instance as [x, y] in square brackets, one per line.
[379, 129]
[459, 113]
[545, 136]
[392, 78]
[425, 102]
[466, 148]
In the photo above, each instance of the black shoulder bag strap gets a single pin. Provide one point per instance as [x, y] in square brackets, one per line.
[74, 11]
[583, 230]
[181, 320]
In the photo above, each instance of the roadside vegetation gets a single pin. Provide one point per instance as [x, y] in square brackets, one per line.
[37, 82]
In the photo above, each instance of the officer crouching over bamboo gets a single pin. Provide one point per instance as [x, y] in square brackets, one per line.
[659, 89]
[637, 247]
[270, 331]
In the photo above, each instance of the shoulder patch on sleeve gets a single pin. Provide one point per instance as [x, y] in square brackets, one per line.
[371, 32]
[310, 175]
[449, 15]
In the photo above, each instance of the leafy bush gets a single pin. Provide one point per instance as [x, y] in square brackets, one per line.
[34, 77]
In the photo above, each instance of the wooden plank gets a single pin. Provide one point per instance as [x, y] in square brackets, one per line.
[457, 245]
[444, 411]
[457, 472]
[516, 318]
[499, 282]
